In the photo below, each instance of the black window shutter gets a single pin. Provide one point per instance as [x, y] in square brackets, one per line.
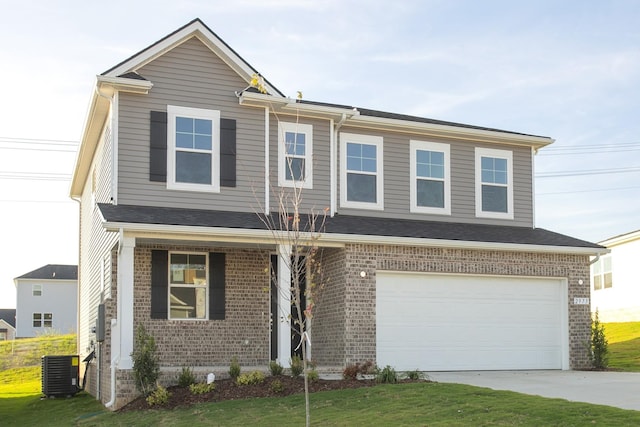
[216, 286]
[158, 147]
[159, 284]
[227, 152]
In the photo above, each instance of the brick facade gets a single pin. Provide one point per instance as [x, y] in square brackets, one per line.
[344, 325]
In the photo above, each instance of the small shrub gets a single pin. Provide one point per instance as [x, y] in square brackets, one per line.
[201, 388]
[160, 396]
[367, 368]
[146, 365]
[296, 366]
[255, 377]
[186, 377]
[275, 368]
[313, 375]
[387, 375]
[276, 386]
[599, 346]
[414, 375]
[234, 369]
[350, 372]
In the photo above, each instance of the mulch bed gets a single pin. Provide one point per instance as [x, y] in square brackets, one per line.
[228, 390]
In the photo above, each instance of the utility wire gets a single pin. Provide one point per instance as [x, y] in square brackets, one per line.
[559, 174]
[587, 191]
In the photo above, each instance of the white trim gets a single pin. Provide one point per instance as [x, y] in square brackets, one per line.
[533, 187]
[125, 298]
[430, 146]
[333, 178]
[195, 29]
[206, 287]
[267, 179]
[114, 146]
[500, 154]
[197, 113]
[376, 141]
[297, 128]
[284, 304]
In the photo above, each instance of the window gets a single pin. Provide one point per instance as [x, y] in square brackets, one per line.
[361, 179]
[3, 334]
[193, 145]
[48, 320]
[430, 178]
[295, 148]
[494, 183]
[37, 320]
[602, 273]
[36, 290]
[188, 285]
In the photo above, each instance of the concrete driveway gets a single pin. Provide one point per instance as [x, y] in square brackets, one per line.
[620, 389]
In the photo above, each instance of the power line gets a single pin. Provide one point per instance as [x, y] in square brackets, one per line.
[36, 176]
[560, 174]
[39, 141]
[42, 150]
[588, 191]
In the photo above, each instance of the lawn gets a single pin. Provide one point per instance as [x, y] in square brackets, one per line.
[624, 345]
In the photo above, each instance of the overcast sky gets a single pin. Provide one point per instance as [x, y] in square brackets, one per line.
[569, 70]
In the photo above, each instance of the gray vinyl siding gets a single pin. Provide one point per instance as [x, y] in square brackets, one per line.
[95, 242]
[190, 75]
[59, 297]
[396, 155]
[318, 197]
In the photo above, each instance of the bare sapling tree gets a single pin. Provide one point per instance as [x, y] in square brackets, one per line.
[298, 232]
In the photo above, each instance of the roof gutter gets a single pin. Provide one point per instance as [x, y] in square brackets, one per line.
[253, 236]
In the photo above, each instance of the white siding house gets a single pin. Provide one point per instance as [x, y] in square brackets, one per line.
[46, 301]
[615, 280]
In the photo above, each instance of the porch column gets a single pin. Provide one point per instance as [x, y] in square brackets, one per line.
[125, 300]
[284, 304]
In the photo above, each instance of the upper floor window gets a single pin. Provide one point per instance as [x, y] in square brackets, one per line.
[494, 183]
[188, 285]
[36, 290]
[602, 273]
[193, 145]
[361, 177]
[430, 178]
[295, 147]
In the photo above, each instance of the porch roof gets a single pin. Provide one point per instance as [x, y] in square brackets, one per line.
[129, 216]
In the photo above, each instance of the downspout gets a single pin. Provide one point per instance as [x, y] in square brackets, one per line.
[115, 344]
[267, 183]
[333, 160]
[533, 186]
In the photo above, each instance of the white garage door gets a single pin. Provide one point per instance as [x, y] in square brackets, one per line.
[434, 322]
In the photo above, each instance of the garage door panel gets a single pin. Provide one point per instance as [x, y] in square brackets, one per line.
[438, 322]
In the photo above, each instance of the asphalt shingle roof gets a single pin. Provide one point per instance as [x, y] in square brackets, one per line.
[347, 224]
[53, 271]
[8, 315]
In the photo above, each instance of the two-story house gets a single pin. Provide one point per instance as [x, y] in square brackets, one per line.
[430, 251]
[47, 301]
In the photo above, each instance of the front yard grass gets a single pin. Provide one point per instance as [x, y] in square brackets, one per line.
[624, 345]
[393, 404]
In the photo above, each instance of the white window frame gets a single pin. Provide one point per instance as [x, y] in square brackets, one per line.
[307, 130]
[196, 113]
[369, 140]
[499, 154]
[598, 271]
[36, 290]
[416, 146]
[45, 320]
[33, 320]
[180, 285]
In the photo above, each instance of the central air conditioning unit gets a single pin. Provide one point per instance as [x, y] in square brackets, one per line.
[60, 375]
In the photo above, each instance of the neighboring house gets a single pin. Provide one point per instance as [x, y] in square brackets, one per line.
[430, 249]
[47, 301]
[615, 279]
[7, 323]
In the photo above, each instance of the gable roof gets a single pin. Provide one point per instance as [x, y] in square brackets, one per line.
[9, 316]
[195, 28]
[347, 228]
[52, 272]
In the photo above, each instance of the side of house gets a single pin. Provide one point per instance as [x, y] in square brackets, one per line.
[7, 323]
[46, 301]
[615, 293]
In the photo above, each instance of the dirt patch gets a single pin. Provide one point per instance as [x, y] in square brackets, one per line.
[229, 390]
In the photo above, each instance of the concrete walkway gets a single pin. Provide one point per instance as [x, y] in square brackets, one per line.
[619, 389]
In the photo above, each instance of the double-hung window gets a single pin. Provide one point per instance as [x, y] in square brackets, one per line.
[36, 290]
[37, 320]
[295, 148]
[193, 148]
[494, 183]
[188, 285]
[361, 178]
[430, 178]
[602, 273]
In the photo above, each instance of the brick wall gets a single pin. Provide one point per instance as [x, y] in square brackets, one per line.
[360, 291]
